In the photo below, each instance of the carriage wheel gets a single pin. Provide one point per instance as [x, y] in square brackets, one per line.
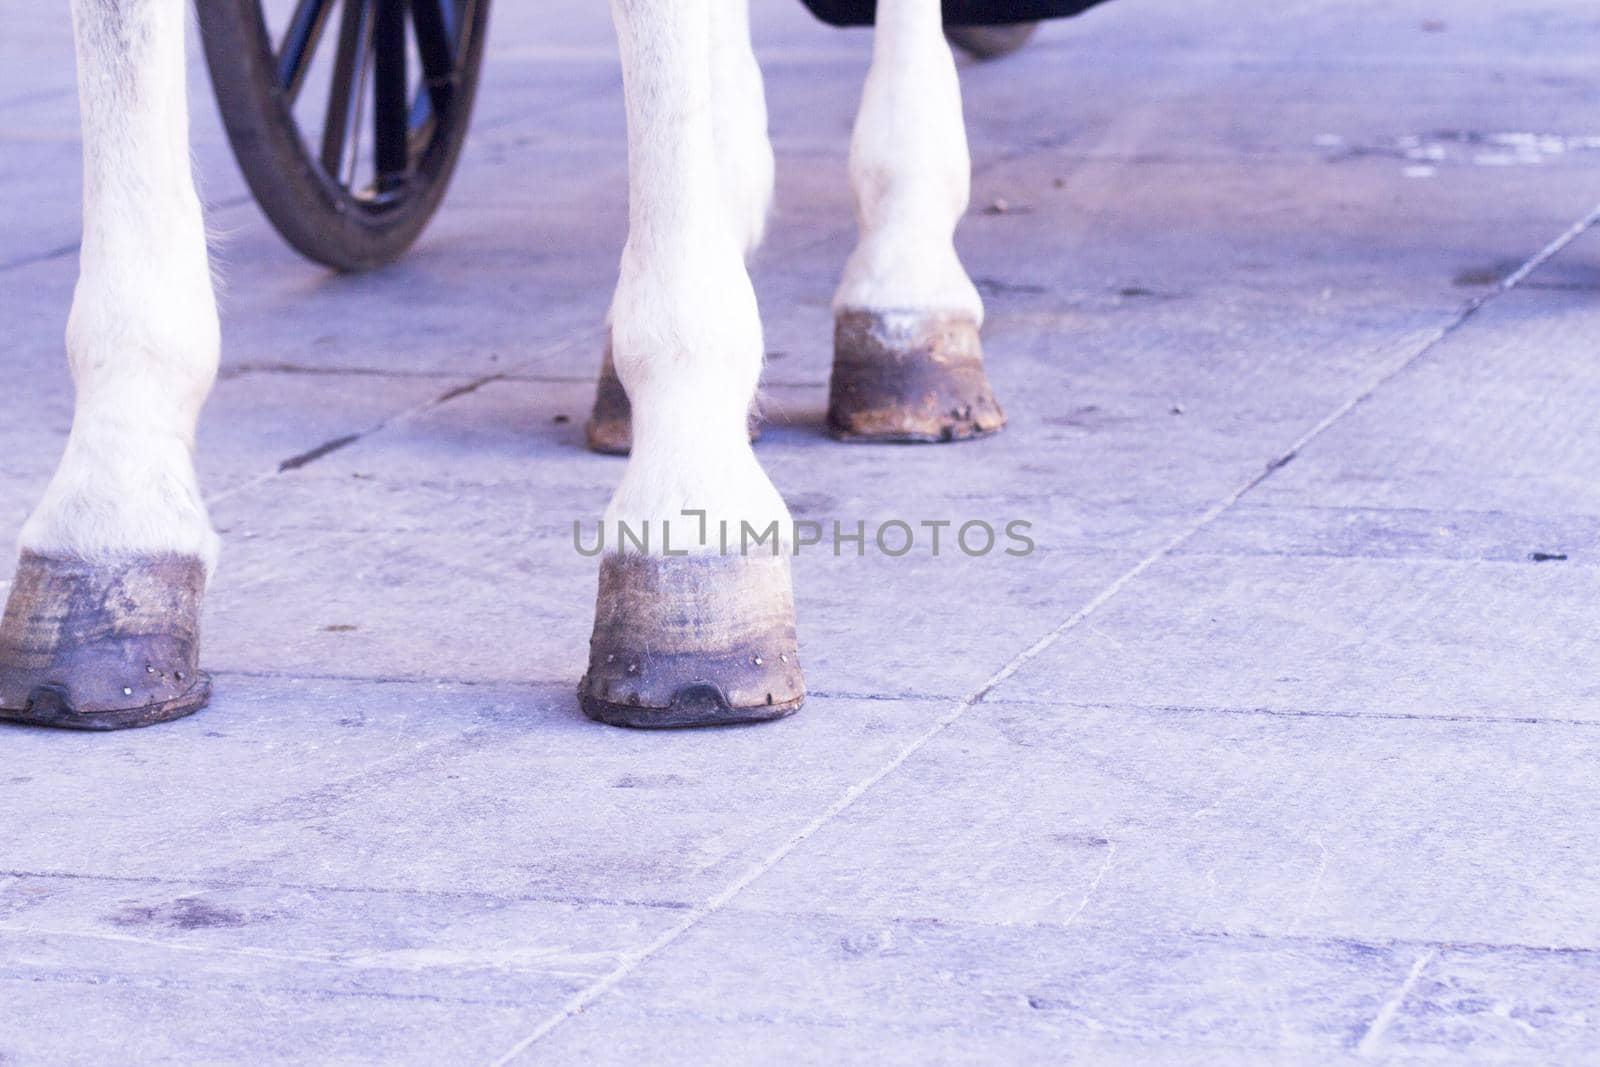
[991, 42]
[347, 143]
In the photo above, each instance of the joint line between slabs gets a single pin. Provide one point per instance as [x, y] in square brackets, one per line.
[631, 961]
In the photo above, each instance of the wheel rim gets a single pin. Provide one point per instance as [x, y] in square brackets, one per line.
[368, 85]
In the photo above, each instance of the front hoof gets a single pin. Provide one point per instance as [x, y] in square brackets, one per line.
[610, 426]
[909, 376]
[698, 640]
[102, 646]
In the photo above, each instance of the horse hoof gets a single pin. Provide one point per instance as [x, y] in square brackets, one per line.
[697, 640]
[610, 427]
[909, 376]
[991, 42]
[102, 646]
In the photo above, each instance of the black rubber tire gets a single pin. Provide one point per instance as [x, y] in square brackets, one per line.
[991, 42]
[322, 219]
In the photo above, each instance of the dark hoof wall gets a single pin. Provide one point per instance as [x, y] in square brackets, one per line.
[697, 704]
[909, 377]
[52, 705]
[102, 646]
[692, 641]
[609, 437]
[991, 42]
[609, 430]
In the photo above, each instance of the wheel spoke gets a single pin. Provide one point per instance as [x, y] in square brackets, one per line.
[436, 46]
[300, 43]
[363, 83]
[391, 95]
[346, 94]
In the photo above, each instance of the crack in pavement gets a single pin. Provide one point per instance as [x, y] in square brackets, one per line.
[1369, 1041]
[588, 335]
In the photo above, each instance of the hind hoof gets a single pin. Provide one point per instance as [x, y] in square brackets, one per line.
[610, 426]
[909, 376]
[700, 640]
[102, 646]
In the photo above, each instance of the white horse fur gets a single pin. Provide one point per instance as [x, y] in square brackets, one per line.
[143, 338]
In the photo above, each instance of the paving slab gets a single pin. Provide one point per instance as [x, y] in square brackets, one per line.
[937, 986]
[1519, 377]
[1316, 594]
[1513, 1005]
[1249, 824]
[1396, 533]
[497, 791]
[630, 1037]
[1277, 748]
[1367, 851]
[1441, 98]
[822, 990]
[1219, 229]
[326, 943]
[1337, 636]
[160, 1024]
[325, 736]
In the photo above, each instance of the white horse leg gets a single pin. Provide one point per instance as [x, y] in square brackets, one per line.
[739, 113]
[101, 625]
[907, 363]
[745, 169]
[708, 636]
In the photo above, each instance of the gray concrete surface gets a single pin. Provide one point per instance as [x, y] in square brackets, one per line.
[1280, 749]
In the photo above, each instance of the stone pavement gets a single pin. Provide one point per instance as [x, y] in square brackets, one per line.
[1281, 748]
